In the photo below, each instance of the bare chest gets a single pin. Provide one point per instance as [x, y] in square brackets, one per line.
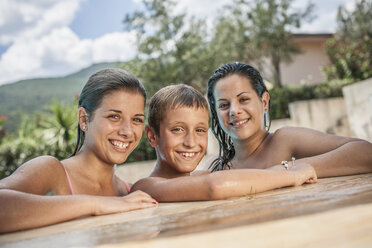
[272, 154]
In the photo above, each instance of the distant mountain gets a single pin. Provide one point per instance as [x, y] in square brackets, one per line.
[28, 96]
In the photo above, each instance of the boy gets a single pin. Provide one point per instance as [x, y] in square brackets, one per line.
[178, 130]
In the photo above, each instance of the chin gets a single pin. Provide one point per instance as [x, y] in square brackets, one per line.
[185, 168]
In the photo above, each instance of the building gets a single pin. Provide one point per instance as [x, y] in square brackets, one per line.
[307, 66]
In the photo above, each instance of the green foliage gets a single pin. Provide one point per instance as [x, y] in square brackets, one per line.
[350, 52]
[29, 96]
[171, 49]
[350, 58]
[355, 24]
[3, 119]
[50, 133]
[280, 97]
[267, 25]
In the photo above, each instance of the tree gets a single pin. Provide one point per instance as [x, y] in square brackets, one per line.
[357, 23]
[52, 133]
[268, 26]
[350, 51]
[172, 48]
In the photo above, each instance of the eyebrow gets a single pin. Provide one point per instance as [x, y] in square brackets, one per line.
[181, 122]
[120, 112]
[241, 93]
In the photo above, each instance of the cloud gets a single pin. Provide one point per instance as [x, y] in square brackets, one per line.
[61, 52]
[23, 19]
[42, 44]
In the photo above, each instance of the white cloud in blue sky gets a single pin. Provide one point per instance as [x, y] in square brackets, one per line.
[42, 38]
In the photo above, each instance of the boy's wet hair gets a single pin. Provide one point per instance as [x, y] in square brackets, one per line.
[172, 97]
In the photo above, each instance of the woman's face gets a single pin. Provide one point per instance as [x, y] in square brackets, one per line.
[239, 109]
[116, 126]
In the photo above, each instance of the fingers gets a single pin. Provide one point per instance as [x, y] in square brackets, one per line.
[140, 196]
[141, 205]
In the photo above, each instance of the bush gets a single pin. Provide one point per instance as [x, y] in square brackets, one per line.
[350, 58]
[281, 97]
[51, 133]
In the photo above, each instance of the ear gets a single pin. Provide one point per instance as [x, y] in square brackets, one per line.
[151, 136]
[83, 119]
[265, 100]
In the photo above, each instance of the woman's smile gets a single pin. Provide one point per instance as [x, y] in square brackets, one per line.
[120, 146]
[239, 123]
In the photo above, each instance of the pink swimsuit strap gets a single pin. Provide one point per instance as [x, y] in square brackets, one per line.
[127, 186]
[69, 181]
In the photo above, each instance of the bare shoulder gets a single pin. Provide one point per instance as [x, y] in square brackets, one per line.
[305, 142]
[144, 183]
[303, 133]
[35, 175]
[200, 172]
[287, 131]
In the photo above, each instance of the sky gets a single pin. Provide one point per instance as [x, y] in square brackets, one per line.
[48, 38]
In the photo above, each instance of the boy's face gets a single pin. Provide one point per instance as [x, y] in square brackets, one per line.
[183, 138]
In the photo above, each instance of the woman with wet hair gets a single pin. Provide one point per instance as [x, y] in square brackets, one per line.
[240, 104]
[110, 125]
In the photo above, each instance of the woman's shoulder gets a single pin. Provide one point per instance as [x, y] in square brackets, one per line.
[289, 131]
[44, 162]
[35, 176]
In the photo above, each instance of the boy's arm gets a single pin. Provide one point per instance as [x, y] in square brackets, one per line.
[223, 184]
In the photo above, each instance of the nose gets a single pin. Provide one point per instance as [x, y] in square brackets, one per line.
[189, 140]
[235, 109]
[126, 129]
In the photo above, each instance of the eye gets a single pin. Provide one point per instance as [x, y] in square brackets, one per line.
[244, 99]
[223, 105]
[114, 117]
[201, 130]
[138, 120]
[177, 129]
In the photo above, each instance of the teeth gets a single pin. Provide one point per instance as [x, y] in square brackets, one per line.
[188, 154]
[120, 144]
[240, 122]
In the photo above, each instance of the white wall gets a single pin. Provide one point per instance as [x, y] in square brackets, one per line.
[358, 99]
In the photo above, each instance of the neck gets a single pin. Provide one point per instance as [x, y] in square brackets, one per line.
[245, 148]
[164, 170]
[93, 168]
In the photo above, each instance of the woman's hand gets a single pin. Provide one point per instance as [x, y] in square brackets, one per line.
[303, 173]
[114, 204]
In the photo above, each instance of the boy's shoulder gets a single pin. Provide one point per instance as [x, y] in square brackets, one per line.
[145, 183]
[199, 172]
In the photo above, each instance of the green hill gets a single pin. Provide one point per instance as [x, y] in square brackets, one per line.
[28, 96]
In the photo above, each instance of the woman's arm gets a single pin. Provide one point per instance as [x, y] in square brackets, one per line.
[223, 184]
[20, 210]
[23, 203]
[330, 155]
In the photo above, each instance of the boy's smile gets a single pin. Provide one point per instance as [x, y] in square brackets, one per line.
[182, 140]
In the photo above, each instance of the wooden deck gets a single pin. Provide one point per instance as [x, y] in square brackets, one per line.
[335, 212]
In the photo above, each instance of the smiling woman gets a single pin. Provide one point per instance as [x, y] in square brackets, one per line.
[111, 116]
[240, 105]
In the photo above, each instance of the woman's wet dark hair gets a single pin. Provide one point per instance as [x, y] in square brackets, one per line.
[98, 86]
[227, 151]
